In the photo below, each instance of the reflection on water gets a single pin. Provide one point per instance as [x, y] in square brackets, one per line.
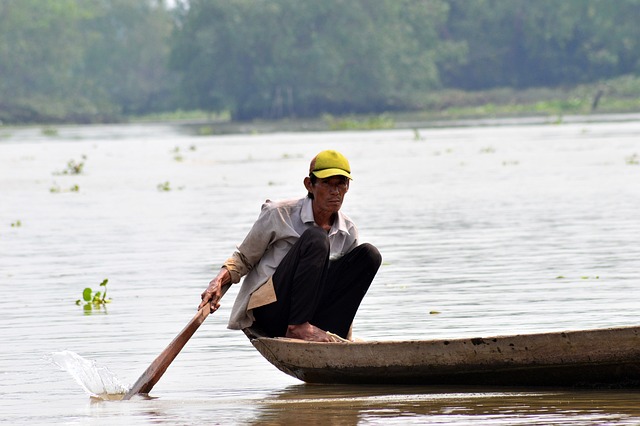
[350, 405]
[484, 231]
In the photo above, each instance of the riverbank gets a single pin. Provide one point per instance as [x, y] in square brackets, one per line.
[608, 100]
[612, 100]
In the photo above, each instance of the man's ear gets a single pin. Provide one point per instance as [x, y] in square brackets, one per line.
[307, 183]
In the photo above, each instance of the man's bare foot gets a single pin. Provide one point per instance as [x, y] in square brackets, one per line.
[307, 332]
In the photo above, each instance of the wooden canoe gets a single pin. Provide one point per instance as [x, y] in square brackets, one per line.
[589, 358]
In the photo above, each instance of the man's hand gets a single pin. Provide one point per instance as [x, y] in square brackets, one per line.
[213, 293]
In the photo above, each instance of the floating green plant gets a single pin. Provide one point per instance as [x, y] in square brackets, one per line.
[73, 167]
[633, 159]
[91, 299]
[583, 277]
[49, 131]
[205, 131]
[177, 156]
[382, 121]
[55, 189]
[164, 186]
[16, 224]
[488, 150]
[287, 156]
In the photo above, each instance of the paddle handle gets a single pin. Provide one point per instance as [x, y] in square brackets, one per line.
[154, 372]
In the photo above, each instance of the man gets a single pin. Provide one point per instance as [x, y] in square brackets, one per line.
[305, 272]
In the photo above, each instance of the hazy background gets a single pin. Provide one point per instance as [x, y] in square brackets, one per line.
[88, 61]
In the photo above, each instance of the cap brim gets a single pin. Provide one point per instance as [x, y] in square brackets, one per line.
[323, 174]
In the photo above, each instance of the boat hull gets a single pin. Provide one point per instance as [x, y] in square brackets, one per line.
[592, 358]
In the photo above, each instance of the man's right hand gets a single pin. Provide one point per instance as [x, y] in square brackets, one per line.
[213, 293]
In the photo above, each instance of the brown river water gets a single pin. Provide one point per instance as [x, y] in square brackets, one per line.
[485, 230]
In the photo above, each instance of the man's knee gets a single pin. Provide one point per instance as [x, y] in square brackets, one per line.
[371, 254]
[316, 237]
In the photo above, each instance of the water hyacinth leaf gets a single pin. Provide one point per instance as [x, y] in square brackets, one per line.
[86, 294]
[104, 282]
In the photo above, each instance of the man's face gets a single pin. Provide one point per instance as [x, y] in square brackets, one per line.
[328, 193]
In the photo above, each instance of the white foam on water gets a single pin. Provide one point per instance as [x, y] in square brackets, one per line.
[97, 380]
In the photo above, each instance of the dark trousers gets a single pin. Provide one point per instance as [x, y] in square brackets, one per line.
[312, 288]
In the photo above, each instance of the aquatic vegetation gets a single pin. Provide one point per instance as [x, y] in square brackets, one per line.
[16, 224]
[287, 156]
[583, 277]
[382, 121]
[633, 159]
[205, 131]
[73, 167]
[55, 189]
[164, 186]
[97, 299]
[488, 150]
[49, 131]
[416, 135]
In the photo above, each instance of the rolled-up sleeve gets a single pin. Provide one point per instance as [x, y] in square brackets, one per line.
[251, 250]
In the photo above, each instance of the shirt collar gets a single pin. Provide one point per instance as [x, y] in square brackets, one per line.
[340, 225]
[307, 211]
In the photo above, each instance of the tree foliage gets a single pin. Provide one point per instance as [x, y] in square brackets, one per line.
[98, 60]
[520, 43]
[75, 60]
[290, 57]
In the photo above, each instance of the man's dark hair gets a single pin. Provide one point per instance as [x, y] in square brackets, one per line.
[314, 179]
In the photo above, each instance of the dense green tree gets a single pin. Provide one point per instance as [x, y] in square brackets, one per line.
[289, 57]
[126, 54]
[82, 60]
[39, 57]
[520, 43]
[98, 60]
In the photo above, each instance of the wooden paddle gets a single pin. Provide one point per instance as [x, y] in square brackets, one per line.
[154, 372]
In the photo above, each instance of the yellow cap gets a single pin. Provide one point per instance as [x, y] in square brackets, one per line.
[330, 163]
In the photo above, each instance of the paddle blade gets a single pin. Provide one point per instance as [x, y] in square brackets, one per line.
[154, 372]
